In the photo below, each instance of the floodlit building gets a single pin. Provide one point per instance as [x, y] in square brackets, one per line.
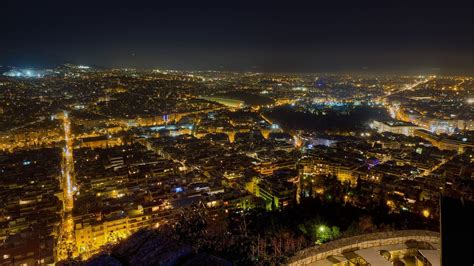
[100, 142]
[396, 127]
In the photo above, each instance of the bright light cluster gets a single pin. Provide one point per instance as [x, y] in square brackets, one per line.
[24, 73]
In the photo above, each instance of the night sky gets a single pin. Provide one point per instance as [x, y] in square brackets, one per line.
[426, 37]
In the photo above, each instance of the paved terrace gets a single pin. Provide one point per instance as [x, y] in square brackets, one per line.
[337, 247]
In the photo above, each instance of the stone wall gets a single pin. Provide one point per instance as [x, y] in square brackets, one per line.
[337, 247]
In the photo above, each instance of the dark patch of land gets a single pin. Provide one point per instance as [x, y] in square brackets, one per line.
[248, 98]
[357, 118]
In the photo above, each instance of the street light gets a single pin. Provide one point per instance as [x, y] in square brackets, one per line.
[426, 213]
[322, 228]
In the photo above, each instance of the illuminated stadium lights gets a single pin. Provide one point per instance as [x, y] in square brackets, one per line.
[24, 73]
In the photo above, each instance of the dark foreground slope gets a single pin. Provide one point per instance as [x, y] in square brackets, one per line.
[153, 247]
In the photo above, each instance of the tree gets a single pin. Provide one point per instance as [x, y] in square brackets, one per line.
[366, 225]
[319, 232]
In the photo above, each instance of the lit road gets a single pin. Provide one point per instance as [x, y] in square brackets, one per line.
[266, 118]
[40, 119]
[66, 240]
[410, 86]
[393, 110]
[436, 167]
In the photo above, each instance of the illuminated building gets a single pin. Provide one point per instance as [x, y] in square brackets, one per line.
[344, 171]
[445, 143]
[396, 127]
[100, 142]
[277, 195]
[278, 190]
[268, 168]
[93, 231]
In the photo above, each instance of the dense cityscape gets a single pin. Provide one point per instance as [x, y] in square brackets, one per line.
[224, 167]
[213, 133]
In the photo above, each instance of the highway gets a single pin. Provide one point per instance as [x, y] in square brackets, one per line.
[410, 86]
[393, 110]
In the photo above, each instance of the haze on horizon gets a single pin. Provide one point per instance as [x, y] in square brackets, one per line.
[431, 37]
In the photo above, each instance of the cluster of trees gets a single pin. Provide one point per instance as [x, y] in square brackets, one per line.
[319, 232]
[262, 237]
